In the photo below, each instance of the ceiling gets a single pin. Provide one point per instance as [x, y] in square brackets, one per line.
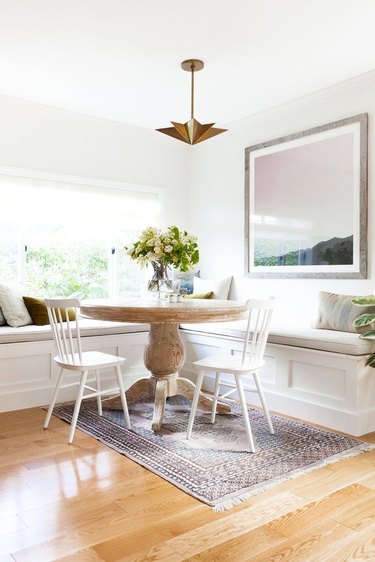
[120, 59]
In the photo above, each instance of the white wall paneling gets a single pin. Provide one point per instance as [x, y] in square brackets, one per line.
[330, 389]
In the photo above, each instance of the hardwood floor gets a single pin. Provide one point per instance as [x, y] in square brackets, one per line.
[85, 502]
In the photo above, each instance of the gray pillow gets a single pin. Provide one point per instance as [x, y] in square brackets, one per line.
[337, 312]
[13, 307]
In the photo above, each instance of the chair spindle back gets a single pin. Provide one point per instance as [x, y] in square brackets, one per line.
[66, 333]
[258, 326]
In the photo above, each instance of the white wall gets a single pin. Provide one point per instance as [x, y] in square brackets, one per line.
[216, 193]
[203, 184]
[43, 138]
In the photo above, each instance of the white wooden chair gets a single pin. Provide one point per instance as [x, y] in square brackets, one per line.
[70, 357]
[248, 363]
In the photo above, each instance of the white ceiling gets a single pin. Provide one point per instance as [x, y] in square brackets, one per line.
[120, 59]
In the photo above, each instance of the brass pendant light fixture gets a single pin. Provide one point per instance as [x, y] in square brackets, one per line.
[192, 131]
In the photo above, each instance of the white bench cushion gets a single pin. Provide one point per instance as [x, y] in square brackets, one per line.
[88, 327]
[306, 337]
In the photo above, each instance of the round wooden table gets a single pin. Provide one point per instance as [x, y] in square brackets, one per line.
[164, 353]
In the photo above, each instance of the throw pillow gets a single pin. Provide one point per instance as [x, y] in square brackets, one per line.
[13, 307]
[38, 311]
[200, 295]
[219, 287]
[2, 319]
[337, 312]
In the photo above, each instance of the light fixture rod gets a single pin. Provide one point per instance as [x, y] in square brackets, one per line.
[193, 66]
[192, 89]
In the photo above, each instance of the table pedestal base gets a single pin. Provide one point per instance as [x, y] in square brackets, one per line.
[159, 389]
[164, 356]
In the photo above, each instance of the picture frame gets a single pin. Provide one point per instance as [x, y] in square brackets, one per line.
[306, 203]
[185, 280]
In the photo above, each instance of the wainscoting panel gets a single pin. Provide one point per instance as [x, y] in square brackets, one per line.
[330, 389]
[28, 372]
[316, 381]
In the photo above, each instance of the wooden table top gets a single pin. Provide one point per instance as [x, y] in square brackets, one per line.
[160, 311]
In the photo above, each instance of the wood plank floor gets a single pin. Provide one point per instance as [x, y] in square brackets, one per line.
[85, 502]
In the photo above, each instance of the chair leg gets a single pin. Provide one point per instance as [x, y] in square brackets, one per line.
[98, 388]
[123, 397]
[264, 403]
[194, 404]
[241, 395]
[77, 406]
[214, 401]
[54, 398]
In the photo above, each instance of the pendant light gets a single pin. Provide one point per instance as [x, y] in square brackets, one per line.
[192, 131]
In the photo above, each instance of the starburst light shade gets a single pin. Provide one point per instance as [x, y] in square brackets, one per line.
[192, 132]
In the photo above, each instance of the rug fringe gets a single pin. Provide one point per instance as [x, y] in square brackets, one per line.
[232, 502]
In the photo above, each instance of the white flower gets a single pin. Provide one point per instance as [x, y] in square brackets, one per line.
[173, 247]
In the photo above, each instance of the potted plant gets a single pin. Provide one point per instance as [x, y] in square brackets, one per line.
[366, 322]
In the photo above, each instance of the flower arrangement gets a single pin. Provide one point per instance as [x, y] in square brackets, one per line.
[173, 247]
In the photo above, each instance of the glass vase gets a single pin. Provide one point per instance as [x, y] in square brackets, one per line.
[160, 283]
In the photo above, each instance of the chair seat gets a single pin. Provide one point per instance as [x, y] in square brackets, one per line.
[90, 360]
[228, 363]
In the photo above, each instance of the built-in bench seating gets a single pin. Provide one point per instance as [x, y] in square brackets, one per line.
[313, 374]
[28, 373]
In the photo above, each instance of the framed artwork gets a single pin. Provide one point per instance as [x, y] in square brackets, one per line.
[306, 203]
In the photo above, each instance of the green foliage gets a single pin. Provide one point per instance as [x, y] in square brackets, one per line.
[291, 258]
[364, 301]
[59, 262]
[371, 360]
[364, 320]
[80, 270]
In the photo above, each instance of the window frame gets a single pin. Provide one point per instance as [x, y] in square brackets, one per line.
[86, 182]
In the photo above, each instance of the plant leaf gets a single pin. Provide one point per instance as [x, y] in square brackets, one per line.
[364, 320]
[371, 360]
[368, 334]
[364, 301]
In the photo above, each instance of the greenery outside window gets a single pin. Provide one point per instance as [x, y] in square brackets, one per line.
[62, 236]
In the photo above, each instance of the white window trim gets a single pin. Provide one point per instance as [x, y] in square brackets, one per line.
[82, 180]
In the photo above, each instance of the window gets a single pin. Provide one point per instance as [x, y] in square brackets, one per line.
[62, 236]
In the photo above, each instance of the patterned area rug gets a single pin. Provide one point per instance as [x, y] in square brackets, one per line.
[213, 466]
